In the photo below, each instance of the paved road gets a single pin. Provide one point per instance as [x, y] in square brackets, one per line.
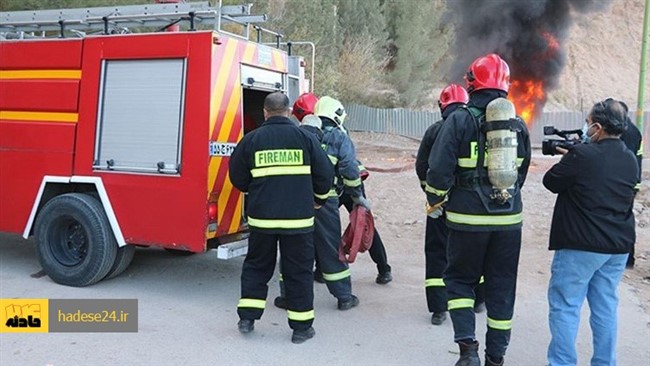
[187, 316]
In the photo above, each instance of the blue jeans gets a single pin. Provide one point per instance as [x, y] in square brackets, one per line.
[576, 274]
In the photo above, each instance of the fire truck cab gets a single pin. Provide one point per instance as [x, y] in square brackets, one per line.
[116, 139]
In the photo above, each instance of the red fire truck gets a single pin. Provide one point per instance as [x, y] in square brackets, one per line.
[111, 139]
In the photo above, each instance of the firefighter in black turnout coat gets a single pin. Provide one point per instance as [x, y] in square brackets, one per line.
[279, 163]
[451, 98]
[484, 233]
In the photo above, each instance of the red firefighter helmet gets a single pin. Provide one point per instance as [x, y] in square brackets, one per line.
[452, 93]
[304, 105]
[488, 72]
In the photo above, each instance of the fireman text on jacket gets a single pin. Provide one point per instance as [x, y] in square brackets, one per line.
[278, 157]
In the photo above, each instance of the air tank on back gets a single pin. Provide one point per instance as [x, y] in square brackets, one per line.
[501, 141]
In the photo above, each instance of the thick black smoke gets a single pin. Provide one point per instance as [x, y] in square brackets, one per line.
[518, 31]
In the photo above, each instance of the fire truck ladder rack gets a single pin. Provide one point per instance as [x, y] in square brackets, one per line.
[118, 19]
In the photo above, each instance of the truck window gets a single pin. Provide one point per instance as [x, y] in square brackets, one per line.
[140, 116]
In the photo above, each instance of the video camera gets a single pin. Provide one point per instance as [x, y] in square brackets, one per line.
[549, 145]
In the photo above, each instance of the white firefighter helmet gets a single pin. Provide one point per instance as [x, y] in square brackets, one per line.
[331, 108]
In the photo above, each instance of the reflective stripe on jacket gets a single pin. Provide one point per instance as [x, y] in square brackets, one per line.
[455, 156]
[284, 170]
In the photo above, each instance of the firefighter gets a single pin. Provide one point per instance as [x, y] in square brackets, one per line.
[303, 110]
[451, 98]
[327, 234]
[633, 140]
[275, 164]
[484, 228]
[377, 250]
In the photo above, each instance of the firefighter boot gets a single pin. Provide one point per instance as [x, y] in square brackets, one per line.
[384, 278]
[300, 336]
[280, 302]
[438, 318]
[468, 354]
[493, 361]
[349, 303]
[479, 307]
[246, 325]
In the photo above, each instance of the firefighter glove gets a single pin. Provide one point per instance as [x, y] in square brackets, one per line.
[362, 201]
[436, 213]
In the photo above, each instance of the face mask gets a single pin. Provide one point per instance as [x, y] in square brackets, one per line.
[586, 138]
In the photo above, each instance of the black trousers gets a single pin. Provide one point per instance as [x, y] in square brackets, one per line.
[435, 257]
[377, 250]
[296, 260]
[327, 238]
[495, 255]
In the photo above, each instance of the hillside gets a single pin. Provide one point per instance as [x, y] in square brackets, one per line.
[604, 50]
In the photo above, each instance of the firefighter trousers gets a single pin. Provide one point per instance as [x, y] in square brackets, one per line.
[327, 239]
[494, 254]
[296, 261]
[435, 256]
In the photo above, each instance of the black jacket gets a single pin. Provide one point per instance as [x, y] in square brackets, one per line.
[633, 140]
[284, 170]
[454, 172]
[430, 135]
[595, 186]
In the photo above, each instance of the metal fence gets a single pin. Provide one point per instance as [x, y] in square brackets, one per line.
[410, 123]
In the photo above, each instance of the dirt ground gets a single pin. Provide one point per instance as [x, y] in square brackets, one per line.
[398, 204]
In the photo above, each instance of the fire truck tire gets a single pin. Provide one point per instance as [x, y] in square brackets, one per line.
[75, 243]
[122, 260]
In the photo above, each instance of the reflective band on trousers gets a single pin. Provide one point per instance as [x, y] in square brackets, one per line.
[499, 324]
[322, 196]
[437, 192]
[281, 170]
[251, 303]
[460, 304]
[494, 220]
[333, 193]
[300, 316]
[336, 276]
[434, 282]
[281, 223]
[352, 183]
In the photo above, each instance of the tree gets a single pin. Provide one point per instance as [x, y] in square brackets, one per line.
[417, 44]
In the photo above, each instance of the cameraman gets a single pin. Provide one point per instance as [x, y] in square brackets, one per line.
[591, 232]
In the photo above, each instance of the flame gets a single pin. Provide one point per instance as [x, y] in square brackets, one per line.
[529, 97]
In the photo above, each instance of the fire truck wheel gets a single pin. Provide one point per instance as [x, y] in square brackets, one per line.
[122, 261]
[75, 243]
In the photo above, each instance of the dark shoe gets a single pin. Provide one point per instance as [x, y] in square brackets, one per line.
[349, 303]
[384, 278]
[490, 361]
[280, 302]
[468, 354]
[438, 318]
[300, 336]
[479, 307]
[246, 325]
[318, 277]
